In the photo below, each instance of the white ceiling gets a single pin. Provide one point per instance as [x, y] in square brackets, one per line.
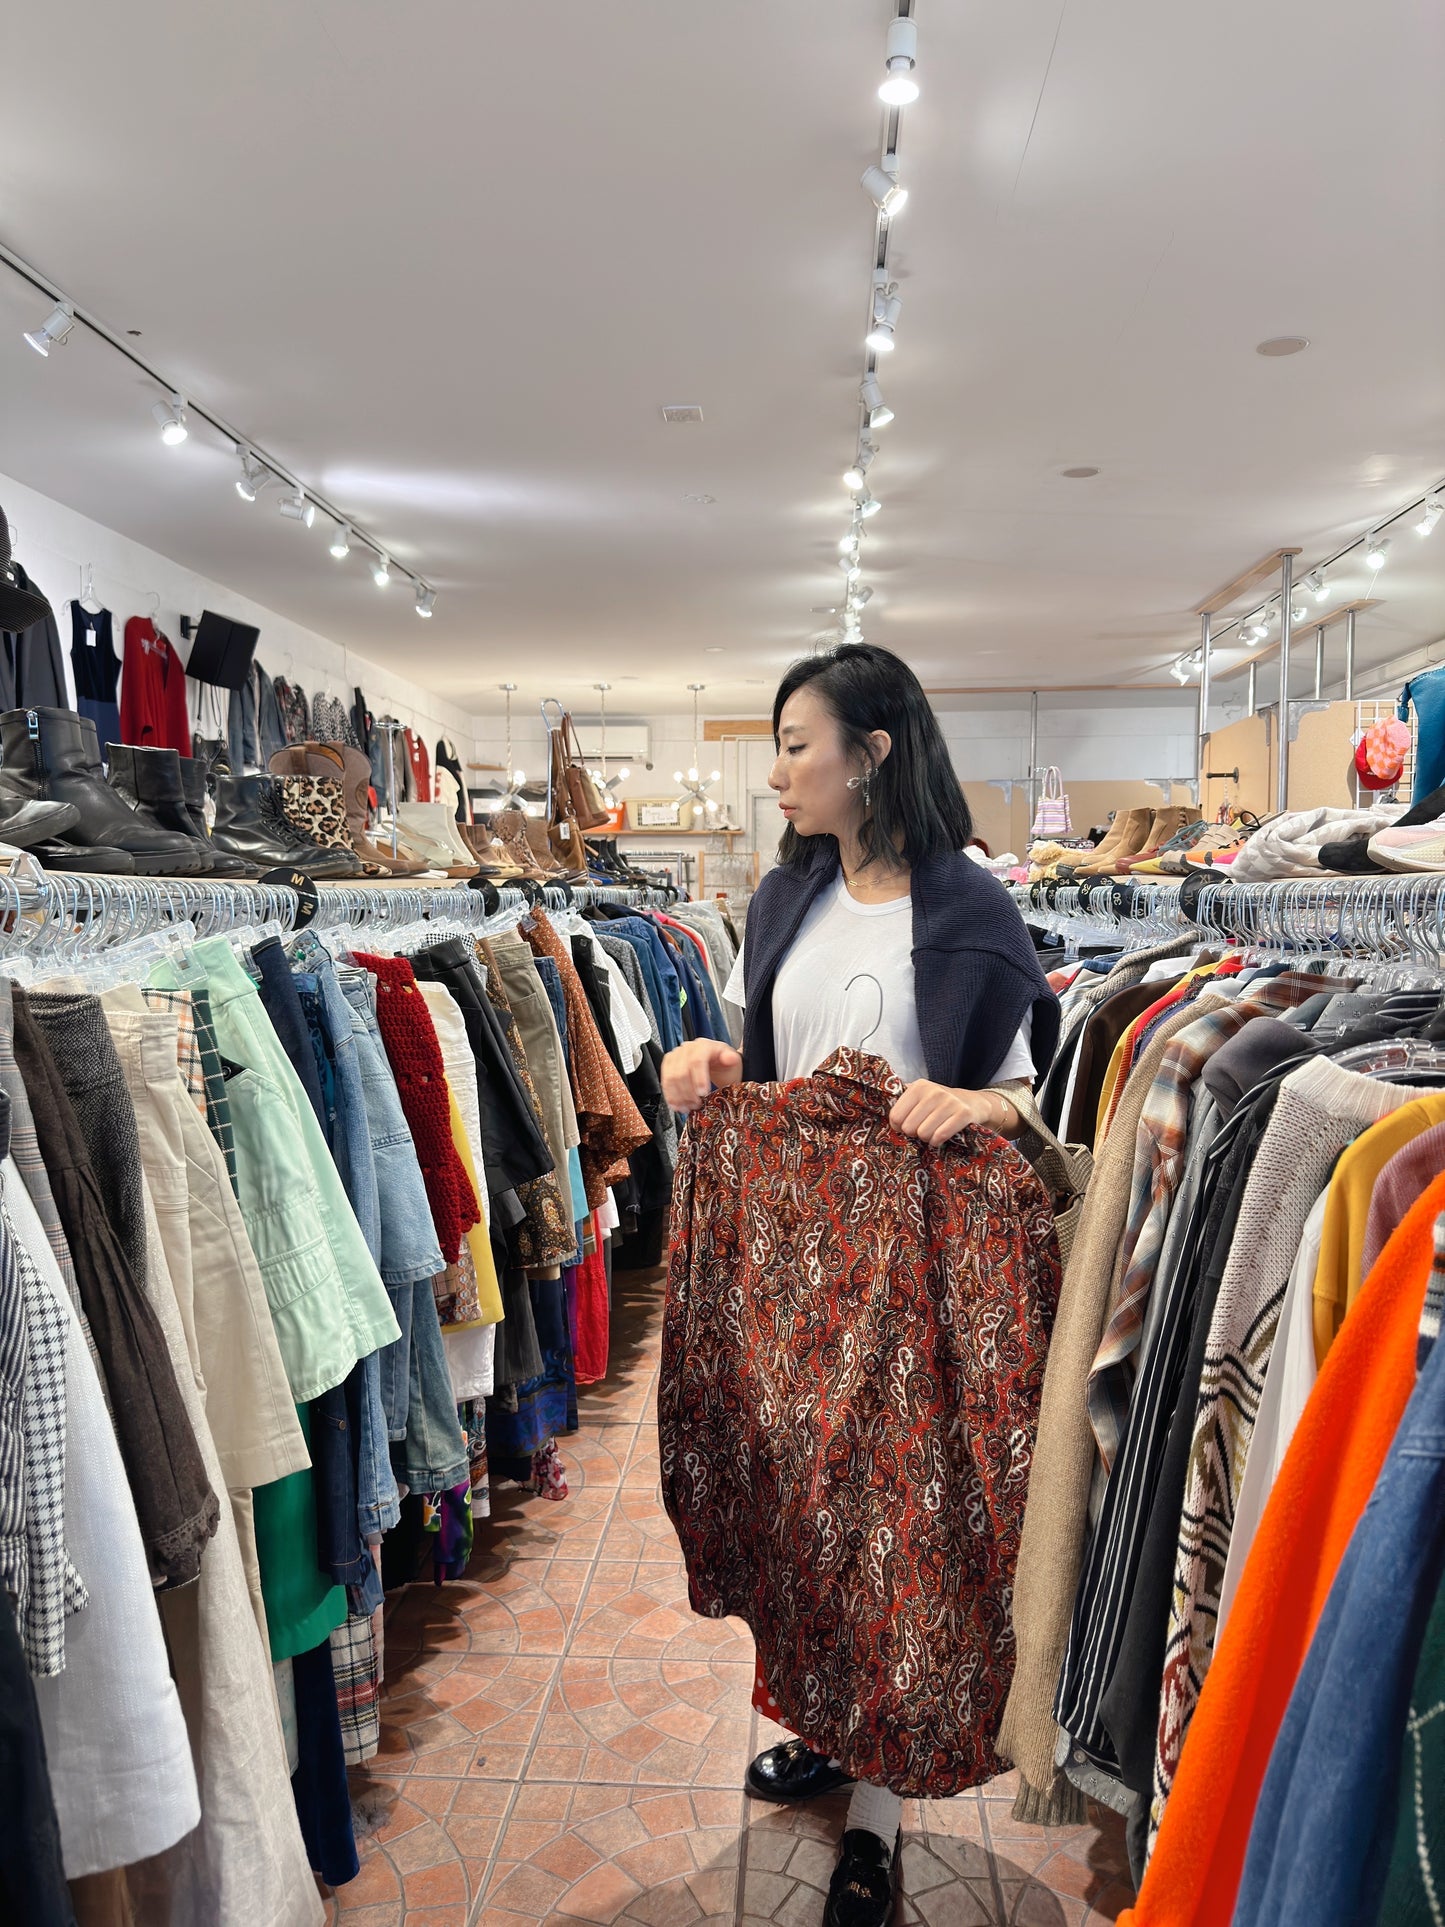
[448, 261]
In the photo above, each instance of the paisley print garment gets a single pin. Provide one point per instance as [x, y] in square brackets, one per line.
[853, 1353]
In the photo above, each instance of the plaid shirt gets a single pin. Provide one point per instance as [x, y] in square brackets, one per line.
[200, 1063]
[1159, 1147]
[49, 1587]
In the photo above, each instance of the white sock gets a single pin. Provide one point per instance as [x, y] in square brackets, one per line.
[876, 1810]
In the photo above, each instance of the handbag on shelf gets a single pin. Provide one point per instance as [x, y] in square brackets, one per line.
[564, 832]
[1052, 816]
[588, 805]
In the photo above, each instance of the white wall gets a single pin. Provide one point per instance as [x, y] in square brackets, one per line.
[54, 543]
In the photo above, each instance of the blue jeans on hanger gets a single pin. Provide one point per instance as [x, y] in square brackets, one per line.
[1320, 1846]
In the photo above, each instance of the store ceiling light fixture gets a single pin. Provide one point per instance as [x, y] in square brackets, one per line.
[900, 88]
[175, 415]
[381, 572]
[426, 600]
[341, 541]
[170, 417]
[1318, 585]
[1434, 509]
[253, 477]
[871, 396]
[887, 308]
[853, 477]
[1377, 551]
[296, 508]
[54, 331]
[694, 786]
[881, 183]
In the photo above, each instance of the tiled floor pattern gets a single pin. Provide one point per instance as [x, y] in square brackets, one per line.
[563, 1742]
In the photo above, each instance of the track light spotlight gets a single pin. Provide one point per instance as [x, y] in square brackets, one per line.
[899, 88]
[253, 477]
[381, 572]
[886, 310]
[341, 541]
[1299, 613]
[849, 543]
[857, 597]
[869, 505]
[883, 186]
[862, 462]
[426, 600]
[851, 567]
[53, 331]
[296, 508]
[871, 396]
[1179, 670]
[1377, 551]
[1318, 587]
[1434, 509]
[170, 418]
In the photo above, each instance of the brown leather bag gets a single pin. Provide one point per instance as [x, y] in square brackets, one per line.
[572, 774]
[564, 832]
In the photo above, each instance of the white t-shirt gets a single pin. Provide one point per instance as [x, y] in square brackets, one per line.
[847, 980]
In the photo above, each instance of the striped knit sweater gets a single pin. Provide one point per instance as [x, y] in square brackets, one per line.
[1321, 1109]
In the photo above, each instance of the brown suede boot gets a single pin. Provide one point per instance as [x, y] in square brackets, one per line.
[355, 780]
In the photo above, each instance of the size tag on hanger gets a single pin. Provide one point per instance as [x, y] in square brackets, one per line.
[306, 894]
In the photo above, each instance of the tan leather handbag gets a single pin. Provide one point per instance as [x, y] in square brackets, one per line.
[564, 832]
[571, 772]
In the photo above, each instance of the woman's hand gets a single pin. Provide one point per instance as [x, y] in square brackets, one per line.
[933, 1113]
[691, 1071]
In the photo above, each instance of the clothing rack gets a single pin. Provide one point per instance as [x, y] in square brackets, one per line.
[1397, 919]
[41, 910]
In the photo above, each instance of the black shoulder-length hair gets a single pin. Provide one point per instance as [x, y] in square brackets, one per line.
[918, 806]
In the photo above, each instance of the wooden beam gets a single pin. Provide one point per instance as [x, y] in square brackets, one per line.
[1300, 631]
[747, 726]
[1262, 572]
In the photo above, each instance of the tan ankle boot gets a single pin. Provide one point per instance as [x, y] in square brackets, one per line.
[1132, 833]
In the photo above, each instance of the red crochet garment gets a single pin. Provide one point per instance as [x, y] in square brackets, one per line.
[415, 1057]
[853, 1353]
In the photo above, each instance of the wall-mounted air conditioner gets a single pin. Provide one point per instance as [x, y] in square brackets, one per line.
[626, 742]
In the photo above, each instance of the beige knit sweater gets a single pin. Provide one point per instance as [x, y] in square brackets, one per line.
[1055, 1520]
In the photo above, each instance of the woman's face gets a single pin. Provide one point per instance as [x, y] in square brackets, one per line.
[813, 767]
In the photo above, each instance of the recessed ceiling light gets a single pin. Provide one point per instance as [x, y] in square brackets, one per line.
[1077, 474]
[680, 412]
[713, 649]
[705, 500]
[1283, 345]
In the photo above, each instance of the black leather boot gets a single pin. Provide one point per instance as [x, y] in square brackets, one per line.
[25, 822]
[193, 790]
[53, 755]
[150, 781]
[251, 823]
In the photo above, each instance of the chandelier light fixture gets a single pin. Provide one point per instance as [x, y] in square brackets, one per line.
[609, 785]
[511, 797]
[693, 787]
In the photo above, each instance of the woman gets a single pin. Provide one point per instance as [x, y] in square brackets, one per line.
[875, 931]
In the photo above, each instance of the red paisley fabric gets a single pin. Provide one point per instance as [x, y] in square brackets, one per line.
[853, 1352]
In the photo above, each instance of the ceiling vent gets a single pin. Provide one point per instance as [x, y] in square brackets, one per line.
[682, 412]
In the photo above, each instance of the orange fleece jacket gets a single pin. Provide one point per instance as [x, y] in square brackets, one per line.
[1327, 1477]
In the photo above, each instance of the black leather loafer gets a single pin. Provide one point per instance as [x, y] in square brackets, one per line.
[865, 1881]
[791, 1772]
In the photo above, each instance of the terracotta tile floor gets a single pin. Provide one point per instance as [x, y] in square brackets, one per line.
[563, 1742]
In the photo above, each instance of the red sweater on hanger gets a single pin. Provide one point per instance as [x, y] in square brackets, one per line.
[420, 765]
[152, 691]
